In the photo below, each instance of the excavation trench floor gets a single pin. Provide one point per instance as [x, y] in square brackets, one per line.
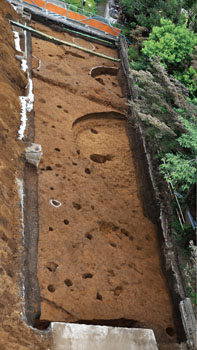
[98, 255]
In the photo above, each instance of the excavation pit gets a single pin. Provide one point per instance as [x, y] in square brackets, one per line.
[102, 265]
[118, 226]
[72, 114]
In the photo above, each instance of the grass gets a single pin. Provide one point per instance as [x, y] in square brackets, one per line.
[90, 6]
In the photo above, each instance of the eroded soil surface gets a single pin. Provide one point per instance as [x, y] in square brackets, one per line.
[98, 254]
[14, 332]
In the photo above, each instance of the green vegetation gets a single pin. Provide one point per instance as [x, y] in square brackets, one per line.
[163, 59]
[180, 168]
[191, 14]
[172, 44]
[192, 295]
[149, 12]
[76, 5]
[188, 78]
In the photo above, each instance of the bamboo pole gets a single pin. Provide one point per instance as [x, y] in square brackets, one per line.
[42, 34]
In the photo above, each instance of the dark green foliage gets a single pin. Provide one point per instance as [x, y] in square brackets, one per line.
[137, 61]
[192, 295]
[181, 232]
[188, 78]
[191, 14]
[140, 64]
[180, 168]
[133, 53]
[149, 12]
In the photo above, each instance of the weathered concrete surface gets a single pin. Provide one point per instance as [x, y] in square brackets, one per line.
[74, 337]
[189, 322]
[33, 153]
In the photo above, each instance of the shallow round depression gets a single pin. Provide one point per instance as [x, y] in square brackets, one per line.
[95, 135]
[106, 76]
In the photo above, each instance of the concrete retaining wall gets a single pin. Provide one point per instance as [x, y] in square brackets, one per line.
[83, 337]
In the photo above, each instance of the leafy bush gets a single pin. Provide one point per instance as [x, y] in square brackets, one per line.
[133, 53]
[172, 44]
[189, 79]
[140, 64]
[76, 5]
[181, 168]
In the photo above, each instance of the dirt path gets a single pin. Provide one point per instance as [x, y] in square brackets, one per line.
[98, 253]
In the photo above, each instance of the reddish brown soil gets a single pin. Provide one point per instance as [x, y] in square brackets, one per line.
[14, 333]
[98, 253]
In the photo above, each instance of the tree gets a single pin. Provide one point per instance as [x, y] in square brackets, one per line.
[172, 44]
[189, 79]
[149, 12]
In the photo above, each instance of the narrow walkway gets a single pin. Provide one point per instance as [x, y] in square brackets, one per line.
[59, 9]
